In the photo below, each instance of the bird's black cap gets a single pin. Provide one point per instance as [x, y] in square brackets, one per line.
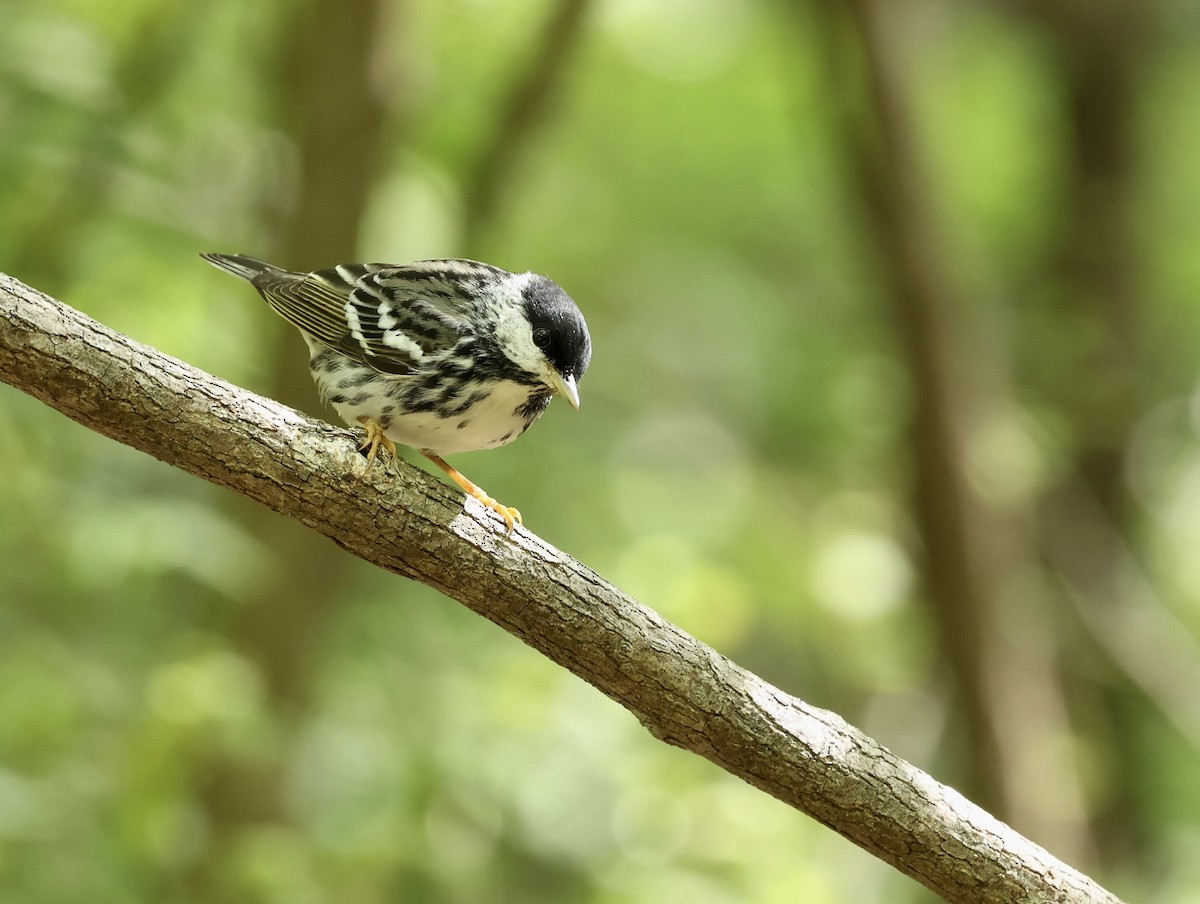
[559, 329]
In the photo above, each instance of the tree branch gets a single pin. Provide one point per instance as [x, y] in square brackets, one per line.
[682, 691]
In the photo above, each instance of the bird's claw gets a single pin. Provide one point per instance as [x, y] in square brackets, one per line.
[511, 516]
[374, 439]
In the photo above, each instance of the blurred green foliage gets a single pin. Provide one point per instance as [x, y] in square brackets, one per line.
[740, 462]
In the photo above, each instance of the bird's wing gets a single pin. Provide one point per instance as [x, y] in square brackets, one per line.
[386, 316]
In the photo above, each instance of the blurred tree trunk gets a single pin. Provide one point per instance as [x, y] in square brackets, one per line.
[526, 106]
[1096, 380]
[979, 569]
[337, 118]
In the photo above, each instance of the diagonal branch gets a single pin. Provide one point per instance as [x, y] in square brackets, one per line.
[684, 692]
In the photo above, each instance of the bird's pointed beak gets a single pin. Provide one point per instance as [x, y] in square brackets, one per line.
[565, 387]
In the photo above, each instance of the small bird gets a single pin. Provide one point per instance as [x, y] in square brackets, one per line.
[443, 355]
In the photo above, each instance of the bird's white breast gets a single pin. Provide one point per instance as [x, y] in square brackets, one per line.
[487, 423]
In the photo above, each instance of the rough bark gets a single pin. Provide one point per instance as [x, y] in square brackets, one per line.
[683, 692]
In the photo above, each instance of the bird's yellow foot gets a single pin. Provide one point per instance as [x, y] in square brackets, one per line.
[374, 439]
[511, 516]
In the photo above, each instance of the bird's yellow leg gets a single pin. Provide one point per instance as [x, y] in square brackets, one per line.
[510, 515]
[374, 439]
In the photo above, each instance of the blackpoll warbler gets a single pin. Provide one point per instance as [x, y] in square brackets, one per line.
[443, 355]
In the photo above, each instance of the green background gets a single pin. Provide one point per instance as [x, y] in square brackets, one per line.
[895, 309]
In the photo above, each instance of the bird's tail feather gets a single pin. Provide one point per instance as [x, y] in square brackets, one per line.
[247, 268]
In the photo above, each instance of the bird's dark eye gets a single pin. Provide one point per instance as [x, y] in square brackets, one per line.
[541, 338]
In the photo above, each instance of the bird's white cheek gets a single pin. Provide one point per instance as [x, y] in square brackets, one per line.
[515, 337]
